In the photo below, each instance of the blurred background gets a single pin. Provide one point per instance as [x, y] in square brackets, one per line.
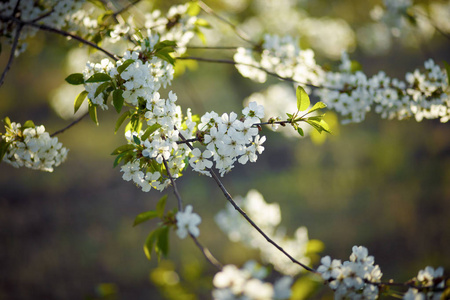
[384, 184]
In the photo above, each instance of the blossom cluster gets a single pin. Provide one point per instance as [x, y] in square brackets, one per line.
[353, 94]
[179, 24]
[279, 55]
[31, 146]
[187, 222]
[428, 279]
[267, 217]
[246, 284]
[228, 139]
[56, 14]
[139, 77]
[350, 280]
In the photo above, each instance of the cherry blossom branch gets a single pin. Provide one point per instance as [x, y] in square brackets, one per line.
[230, 199]
[70, 125]
[11, 55]
[58, 31]
[209, 257]
[268, 239]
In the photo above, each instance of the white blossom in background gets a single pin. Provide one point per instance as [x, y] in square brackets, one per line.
[187, 222]
[33, 148]
[282, 56]
[350, 279]
[246, 283]
[177, 25]
[429, 278]
[429, 18]
[267, 217]
[353, 94]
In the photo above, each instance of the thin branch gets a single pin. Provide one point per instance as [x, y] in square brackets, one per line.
[11, 55]
[242, 35]
[175, 189]
[60, 32]
[268, 239]
[131, 4]
[209, 257]
[187, 141]
[232, 62]
[230, 199]
[70, 125]
[212, 48]
[428, 18]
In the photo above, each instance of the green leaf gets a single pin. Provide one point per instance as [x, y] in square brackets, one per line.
[317, 106]
[160, 206]
[118, 159]
[125, 65]
[4, 145]
[302, 99]
[101, 88]
[319, 125]
[164, 55]
[165, 44]
[447, 68]
[98, 3]
[162, 242]
[28, 124]
[136, 140]
[193, 8]
[316, 118]
[300, 131]
[149, 131]
[118, 100]
[123, 148]
[149, 242]
[93, 112]
[200, 35]
[7, 122]
[75, 79]
[120, 120]
[141, 218]
[203, 23]
[99, 77]
[79, 101]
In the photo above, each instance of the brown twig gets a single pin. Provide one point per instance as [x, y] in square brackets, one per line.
[230, 199]
[58, 31]
[175, 189]
[209, 257]
[70, 125]
[11, 56]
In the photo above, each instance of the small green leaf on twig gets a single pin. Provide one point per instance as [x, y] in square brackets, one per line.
[145, 216]
[302, 99]
[75, 79]
[79, 101]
